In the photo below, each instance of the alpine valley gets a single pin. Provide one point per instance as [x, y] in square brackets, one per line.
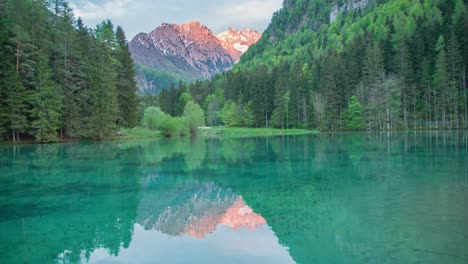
[187, 52]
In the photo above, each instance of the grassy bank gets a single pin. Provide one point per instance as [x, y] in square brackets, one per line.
[221, 131]
[136, 133]
[248, 132]
[142, 132]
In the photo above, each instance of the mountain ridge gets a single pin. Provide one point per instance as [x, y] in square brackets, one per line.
[188, 52]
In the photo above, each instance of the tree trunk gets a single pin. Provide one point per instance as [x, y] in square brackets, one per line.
[13, 135]
[282, 120]
[17, 58]
[405, 113]
[465, 106]
[436, 110]
[414, 108]
[427, 115]
[304, 108]
[388, 116]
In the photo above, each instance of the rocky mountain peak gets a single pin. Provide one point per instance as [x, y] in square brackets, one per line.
[238, 42]
[190, 51]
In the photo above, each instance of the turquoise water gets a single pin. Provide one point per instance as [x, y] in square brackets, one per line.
[343, 198]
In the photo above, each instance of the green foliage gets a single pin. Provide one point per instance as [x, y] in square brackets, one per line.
[60, 79]
[153, 117]
[232, 114]
[213, 112]
[46, 107]
[127, 98]
[184, 98]
[235, 115]
[248, 118]
[383, 107]
[154, 81]
[194, 116]
[406, 62]
[167, 126]
[354, 115]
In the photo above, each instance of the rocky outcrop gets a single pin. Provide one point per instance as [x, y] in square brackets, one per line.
[352, 5]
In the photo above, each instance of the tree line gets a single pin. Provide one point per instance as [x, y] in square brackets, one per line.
[60, 79]
[395, 65]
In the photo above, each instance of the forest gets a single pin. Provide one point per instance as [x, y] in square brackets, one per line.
[386, 65]
[59, 79]
[393, 65]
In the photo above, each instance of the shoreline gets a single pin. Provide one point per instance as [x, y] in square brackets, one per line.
[216, 132]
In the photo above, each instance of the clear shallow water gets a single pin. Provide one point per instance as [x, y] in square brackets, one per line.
[346, 198]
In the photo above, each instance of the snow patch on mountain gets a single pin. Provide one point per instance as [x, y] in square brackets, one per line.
[240, 47]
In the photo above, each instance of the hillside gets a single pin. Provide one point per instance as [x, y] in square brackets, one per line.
[352, 65]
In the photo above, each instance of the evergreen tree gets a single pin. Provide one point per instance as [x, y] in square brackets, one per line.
[373, 68]
[105, 108]
[16, 96]
[441, 84]
[455, 93]
[354, 115]
[46, 104]
[127, 99]
[212, 110]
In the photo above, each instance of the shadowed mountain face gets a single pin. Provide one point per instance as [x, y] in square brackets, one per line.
[186, 52]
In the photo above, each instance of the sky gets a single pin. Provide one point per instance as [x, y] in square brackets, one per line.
[137, 16]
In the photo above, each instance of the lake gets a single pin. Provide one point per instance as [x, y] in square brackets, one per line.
[326, 198]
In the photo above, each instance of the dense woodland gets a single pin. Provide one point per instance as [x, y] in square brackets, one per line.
[59, 79]
[399, 64]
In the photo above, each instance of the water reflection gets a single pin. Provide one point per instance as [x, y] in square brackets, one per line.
[195, 210]
[343, 198]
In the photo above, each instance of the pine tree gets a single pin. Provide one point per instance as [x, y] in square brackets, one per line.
[354, 115]
[16, 99]
[281, 106]
[441, 84]
[212, 110]
[127, 99]
[105, 108]
[455, 96]
[46, 102]
[373, 68]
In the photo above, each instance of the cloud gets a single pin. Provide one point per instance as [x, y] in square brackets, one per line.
[100, 10]
[246, 11]
[144, 15]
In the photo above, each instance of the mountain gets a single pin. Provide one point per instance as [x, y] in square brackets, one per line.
[186, 52]
[236, 43]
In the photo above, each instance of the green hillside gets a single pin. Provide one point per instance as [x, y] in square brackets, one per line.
[378, 65]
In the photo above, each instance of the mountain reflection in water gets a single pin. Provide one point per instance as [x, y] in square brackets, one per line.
[196, 211]
[328, 198]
